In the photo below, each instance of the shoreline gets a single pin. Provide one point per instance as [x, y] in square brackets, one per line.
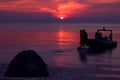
[64, 73]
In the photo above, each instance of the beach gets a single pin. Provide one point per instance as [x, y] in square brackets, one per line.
[86, 72]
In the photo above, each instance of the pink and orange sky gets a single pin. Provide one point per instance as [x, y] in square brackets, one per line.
[84, 9]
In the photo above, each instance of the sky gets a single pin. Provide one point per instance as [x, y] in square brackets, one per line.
[52, 10]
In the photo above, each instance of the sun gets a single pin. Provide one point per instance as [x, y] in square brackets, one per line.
[61, 17]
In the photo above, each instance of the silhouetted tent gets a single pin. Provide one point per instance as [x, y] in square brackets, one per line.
[27, 64]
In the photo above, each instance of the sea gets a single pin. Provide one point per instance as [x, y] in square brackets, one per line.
[56, 43]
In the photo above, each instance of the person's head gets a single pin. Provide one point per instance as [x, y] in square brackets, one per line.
[83, 30]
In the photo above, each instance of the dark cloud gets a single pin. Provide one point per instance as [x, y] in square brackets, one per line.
[8, 1]
[83, 9]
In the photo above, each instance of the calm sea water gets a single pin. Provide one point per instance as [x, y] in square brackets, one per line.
[56, 43]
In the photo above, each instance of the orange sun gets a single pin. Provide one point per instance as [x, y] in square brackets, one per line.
[61, 17]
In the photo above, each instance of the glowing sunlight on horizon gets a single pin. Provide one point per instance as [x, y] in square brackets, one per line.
[61, 17]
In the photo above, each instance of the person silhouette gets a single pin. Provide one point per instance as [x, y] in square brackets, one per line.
[83, 38]
[85, 35]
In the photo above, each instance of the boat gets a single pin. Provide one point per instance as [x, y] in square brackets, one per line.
[101, 42]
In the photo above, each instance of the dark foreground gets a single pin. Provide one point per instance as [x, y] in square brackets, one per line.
[85, 72]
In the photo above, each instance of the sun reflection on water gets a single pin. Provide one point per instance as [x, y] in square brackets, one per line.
[64, 37]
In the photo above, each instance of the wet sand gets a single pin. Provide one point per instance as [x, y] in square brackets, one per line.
[87, 72]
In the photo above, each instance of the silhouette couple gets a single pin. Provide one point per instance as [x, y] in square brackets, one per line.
[83, 38]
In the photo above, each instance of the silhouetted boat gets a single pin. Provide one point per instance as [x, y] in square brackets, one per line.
[101, 42]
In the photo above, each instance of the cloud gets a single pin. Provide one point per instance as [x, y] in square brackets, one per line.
[104, 1]
[3, 1]
[56, 7]
[65, 8]
[68, 9]
[27, 5]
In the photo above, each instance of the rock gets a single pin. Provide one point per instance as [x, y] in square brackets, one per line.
[27, 64]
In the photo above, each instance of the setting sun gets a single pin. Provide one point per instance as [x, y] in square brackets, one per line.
[61, 17]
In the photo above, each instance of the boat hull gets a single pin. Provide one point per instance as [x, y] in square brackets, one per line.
[97, 44]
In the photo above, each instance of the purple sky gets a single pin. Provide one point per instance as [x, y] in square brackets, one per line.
[52, 10]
